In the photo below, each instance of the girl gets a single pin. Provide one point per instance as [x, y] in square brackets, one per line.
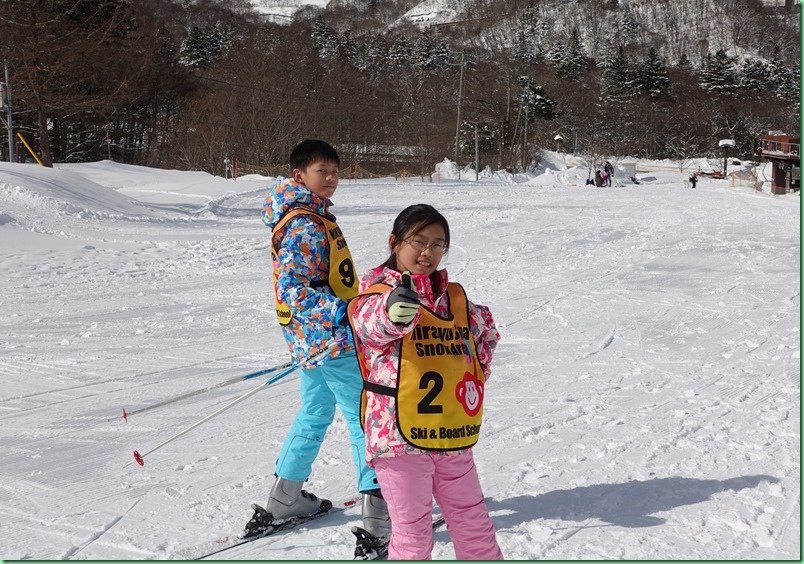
[424, 351]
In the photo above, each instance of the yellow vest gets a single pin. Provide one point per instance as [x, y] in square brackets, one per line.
[341, 279]
[440, 385]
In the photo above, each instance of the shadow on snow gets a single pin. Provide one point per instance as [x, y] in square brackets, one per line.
[627, 505]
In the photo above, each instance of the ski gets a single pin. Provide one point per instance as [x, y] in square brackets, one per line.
[374, 548]
[281, 527]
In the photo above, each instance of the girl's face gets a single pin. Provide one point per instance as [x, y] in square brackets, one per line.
[420, 251]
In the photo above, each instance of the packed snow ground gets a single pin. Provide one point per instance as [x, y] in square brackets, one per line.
[644, 401]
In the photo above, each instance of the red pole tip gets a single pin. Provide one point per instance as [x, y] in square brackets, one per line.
[125, 415]
[138, 458]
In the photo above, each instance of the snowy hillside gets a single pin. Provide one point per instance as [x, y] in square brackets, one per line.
[281, 11]
[432, 12]
[644, 401]
[683, 27]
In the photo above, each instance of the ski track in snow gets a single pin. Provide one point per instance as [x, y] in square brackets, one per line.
[644, 402]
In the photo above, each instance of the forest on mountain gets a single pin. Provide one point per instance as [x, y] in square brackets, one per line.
[184, 84]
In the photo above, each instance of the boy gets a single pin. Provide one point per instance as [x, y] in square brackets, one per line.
[313, 277]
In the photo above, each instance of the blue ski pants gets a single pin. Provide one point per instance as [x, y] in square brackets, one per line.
[335, 382]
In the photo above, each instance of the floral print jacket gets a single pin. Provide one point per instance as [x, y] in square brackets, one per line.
[303, 257]
[381, 339]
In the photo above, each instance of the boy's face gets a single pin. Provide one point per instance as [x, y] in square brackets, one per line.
[320, 177]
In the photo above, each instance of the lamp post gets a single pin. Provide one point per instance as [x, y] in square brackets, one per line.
[726, 144]
[460, 99]
[477, 156]
[558, 139]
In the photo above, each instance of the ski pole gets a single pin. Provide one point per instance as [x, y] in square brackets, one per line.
[225, 383]
[140, 458]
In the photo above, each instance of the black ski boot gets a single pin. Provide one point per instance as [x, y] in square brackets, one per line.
[260, 524]
[373, 537]
[370, 547]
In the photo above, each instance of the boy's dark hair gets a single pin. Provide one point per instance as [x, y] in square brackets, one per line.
[410, 221]
[311, 150]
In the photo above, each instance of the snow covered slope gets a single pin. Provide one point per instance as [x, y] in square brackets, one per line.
[644, 401]
[281, 11]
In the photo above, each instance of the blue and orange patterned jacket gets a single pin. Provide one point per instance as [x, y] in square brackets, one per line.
[302, 258]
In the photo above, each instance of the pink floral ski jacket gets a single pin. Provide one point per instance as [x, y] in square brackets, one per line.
[381, 339]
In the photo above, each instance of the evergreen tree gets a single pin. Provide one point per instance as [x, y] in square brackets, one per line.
[349, 50]
[522, 48]
[607, 55]
[718, 74]
[535, 100]
[442, 54]
[784, 81]
[617, 83]
[684, 62]
[754, 77]
[529, 18]
[794, 92]
[400, 52]
[528, 33]
[205, 44]
[487, 135]
[223, 36]
[424, 52]
[325, 40]
[194, 49]
[652, 77]
[556, 53]
[541, 33]
[628, 24]
[376, 51]
[575, 60]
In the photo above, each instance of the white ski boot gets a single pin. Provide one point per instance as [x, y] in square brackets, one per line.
[288, 500]
[288, 506]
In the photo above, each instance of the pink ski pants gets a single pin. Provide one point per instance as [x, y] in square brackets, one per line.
[410, 482]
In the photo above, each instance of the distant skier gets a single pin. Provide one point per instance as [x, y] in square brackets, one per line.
[425, 370]
[693, 180]
[608, 168]
[313, 277]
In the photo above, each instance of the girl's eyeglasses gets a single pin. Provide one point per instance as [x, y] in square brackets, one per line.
[419, 245]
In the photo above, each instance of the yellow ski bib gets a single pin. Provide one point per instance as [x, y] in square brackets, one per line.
[341, 279]
[440, 385]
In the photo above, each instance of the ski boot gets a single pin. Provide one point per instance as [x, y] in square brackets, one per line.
[288, 505]
[372, 539]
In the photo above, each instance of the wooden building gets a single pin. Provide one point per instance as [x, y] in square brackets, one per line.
[784, 151]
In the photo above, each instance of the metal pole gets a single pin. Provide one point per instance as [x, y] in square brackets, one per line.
[508, 101]
[8, 116]
[525, 156]
[460, 96]
[138, 458]
[30, 150]
[477, 157]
